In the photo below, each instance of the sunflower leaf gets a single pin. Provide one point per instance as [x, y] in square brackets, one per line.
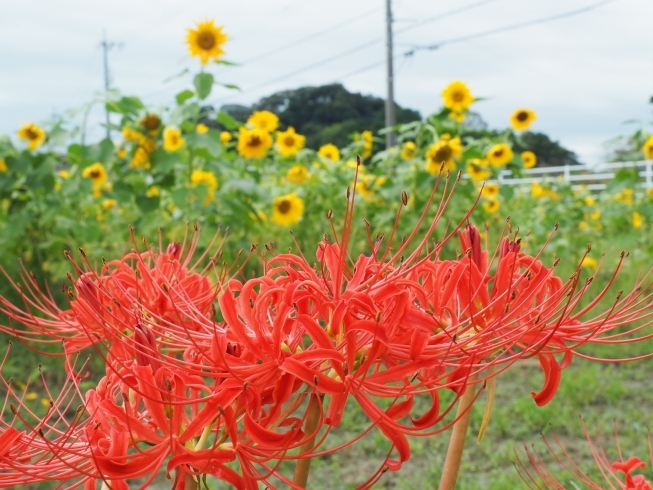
[203, 84]
[183, 96]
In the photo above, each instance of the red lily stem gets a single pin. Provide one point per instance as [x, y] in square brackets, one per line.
[303, 466]
[458, 436]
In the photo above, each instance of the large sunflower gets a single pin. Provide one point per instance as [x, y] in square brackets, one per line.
[34, 135]
[521, 119]
[265, 120]
[457, 97]
[446, 150]
[289, 142]
[648, 148]
[253, 143]
[500, 155]
[206, 41]
[288, 209]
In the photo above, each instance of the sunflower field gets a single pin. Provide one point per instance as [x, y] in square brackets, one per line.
[253, 188]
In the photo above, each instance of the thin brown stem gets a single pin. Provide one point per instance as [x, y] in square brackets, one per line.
[310, 425]
[458, 437]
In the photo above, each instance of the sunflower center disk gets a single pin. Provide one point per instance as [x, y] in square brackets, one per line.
[254, 141]
[289, 141]
[284, 206]
[522, 116]
[443, 154]
[458, 96]
[206, 40]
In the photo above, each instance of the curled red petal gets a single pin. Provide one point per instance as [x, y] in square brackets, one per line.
[552, 376]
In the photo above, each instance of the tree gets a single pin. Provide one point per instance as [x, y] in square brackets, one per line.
[326, 114]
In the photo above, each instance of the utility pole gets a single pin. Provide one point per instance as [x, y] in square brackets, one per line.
[106, 46]
[390, 115]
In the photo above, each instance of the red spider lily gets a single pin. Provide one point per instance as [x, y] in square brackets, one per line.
[615, 474]
[187, 392]
[165, 288]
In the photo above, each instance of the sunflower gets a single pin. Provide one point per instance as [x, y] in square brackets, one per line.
[253, 143]
[34, 135]
[202, 128]
[297, 174]
[446, 150]
[109, 203]
[289, 142]
[648, 148]
[500, 154]
[408, 150]
[140, 159]
[206, 41]
[264, 120]
[529, 159]
[172, 139]
[368, 143]
[521, 119]
[367, 183]
[477, 173]
[457, 96]
[151, 122]
[490, 191]
[133, 136]
[96, 173]
[153, 191]
[330, 152]
[287, 210]
[3, 166]
[121, 153]
[491, 205]
[225, 137]
[637, 220]
[209, 179]
[589, 263]
[457, 116]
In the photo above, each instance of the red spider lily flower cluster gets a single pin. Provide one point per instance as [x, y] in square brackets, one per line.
[618, 474]
[209, 373]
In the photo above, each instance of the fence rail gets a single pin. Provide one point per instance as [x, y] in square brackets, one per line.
[592, 177]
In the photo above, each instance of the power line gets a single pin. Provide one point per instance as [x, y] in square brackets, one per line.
[312, 36]
[541, 20]
[481, 34]
[359, 48]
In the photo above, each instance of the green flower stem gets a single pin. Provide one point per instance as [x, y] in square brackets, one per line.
[310, 425]
[458, 436]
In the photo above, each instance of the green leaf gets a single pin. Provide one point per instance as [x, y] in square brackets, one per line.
[226, 63]
[125, 105]
[148, 204]
[183, 112]
[231, 86]
[210, 141]
[163, 161]
[227, 121]
[203, 84]
[183, 96]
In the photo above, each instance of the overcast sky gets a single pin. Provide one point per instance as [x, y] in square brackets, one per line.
[584, 75]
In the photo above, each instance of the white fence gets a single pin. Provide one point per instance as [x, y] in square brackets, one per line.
[594, 178]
